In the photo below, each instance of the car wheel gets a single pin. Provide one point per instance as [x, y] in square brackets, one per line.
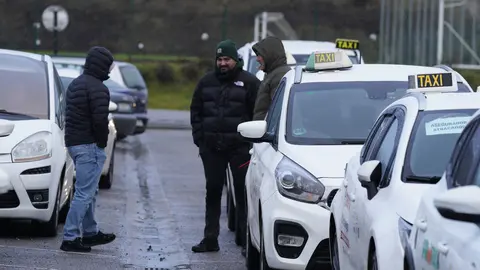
[64, 212]
[252, 256]
[231, 212]
[372, 264]
[263, 258]
[50, 228]
[238, 236]
[106, 180]
[334, 257]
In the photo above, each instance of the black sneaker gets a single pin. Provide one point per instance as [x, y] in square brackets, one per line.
[98, 239]
[206, 245]
[74, 246]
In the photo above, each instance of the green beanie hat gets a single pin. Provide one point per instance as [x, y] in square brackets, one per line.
[227, 48]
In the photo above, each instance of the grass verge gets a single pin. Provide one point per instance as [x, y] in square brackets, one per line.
[170, 96]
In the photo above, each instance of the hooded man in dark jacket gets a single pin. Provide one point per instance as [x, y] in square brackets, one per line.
[86, 135]
[273, 61]
[222, 100]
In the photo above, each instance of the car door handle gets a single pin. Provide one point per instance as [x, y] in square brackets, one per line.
[442, 248]
[351, 196]
[421, 225]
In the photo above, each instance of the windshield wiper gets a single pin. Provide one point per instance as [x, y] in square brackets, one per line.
[352, 142]
[422, 179]
[3, 111]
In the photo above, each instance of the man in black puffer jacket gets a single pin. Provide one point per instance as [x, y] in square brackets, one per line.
[86, 135]
[222, 100]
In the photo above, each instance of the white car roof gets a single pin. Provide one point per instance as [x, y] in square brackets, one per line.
[35, 56]
[369, 72]
[68, 72]
[452, 100]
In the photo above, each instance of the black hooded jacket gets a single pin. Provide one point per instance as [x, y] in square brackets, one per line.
[220, 103]
[87, 100]
[273, 53]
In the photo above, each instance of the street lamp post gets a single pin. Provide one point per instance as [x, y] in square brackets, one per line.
[224, 19]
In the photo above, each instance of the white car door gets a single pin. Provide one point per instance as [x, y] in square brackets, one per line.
[440, 243]
[263, 158]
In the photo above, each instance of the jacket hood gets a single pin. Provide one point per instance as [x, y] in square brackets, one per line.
[98, 62]
[272, 51]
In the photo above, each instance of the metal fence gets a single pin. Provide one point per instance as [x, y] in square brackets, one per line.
[410, 31]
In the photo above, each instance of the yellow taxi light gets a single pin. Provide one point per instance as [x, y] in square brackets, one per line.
[432, 82]
[347, 44]
[328, 60]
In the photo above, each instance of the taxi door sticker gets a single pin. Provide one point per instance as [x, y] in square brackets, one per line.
[448, 125]
[430, 254]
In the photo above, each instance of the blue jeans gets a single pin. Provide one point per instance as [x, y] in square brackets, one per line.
[89, 160]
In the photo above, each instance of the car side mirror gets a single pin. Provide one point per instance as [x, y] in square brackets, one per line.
[461, 204]
[369, 175]
[478, 88]
[112, 107]
[255, 131]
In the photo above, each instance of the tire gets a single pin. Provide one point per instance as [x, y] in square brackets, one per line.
[49, 228]
[334, 256]
[263, 265]
[107, 180]
[231, 212]
[372, 260]
[64, 212]
[252, 256]
[238, 236]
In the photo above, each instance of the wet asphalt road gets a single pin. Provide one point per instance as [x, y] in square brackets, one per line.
[156, 208]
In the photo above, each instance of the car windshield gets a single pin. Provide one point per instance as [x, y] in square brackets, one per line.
[24, 87]
[431, 143]
[303, 58]
[132, 77]
[330, 113]
[69, 66]
[112, 84]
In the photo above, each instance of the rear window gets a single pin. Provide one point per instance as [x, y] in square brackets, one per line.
[24, 87]
[132, 77]
[431, 143]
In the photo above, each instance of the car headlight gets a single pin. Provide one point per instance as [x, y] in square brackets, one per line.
[124, 107]
[404, 229]
[296, 183]
[35, 147]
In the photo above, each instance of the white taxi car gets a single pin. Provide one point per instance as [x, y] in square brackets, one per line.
[36, 171]
[405, 154]
[445, 233]
[319, 118]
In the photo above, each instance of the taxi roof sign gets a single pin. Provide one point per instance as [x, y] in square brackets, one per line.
[347, 44]
[432, 82]
[328, 60]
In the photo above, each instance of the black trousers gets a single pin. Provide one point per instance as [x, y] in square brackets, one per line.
[215, 165]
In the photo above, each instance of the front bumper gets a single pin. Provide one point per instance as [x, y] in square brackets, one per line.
[26, 190]
[285, 216]
[125, 123]
[141, 124]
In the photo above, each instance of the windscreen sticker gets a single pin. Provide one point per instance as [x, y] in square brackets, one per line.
[449, 125]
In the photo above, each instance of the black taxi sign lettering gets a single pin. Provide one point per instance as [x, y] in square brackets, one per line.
[347, 44]
[434, 80]
[324, 57]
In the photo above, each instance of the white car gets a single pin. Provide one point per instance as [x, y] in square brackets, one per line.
[106, 180]
[319, 119]
[126, 75]
[445, 233]
[404, 155]
[36, 171]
